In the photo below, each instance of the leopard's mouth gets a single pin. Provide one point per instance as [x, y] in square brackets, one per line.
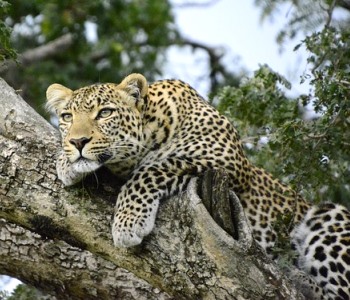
[100, 158]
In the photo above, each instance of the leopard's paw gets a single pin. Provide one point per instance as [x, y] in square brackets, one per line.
[128, 230]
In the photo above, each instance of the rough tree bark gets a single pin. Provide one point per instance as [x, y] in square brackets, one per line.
[58, 239]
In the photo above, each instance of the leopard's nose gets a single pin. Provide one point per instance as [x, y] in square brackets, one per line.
[80, 143]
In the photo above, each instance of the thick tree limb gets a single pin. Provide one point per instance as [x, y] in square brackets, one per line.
[66, 270]
[59, 239]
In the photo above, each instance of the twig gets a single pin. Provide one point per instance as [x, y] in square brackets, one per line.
[190, 4]
[216, 67]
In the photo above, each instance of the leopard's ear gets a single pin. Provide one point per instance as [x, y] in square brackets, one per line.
[57, 96]
[135, 85]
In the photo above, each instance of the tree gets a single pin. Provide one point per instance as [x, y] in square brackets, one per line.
[106, 39]
[59, 239]
[312, 154]
[304, 17]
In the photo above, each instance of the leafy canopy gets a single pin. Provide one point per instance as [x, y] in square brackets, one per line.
[312, 153]
[110, 40]
[6, 50]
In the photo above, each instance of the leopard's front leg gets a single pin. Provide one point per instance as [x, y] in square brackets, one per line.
[138, 201]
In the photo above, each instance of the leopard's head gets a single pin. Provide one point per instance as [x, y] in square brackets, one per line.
[100, 124]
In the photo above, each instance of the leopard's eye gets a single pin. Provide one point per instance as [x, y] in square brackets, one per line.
[105, 112]
[67, 117]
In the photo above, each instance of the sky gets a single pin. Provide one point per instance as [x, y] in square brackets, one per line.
[234, 25]
[237, 27]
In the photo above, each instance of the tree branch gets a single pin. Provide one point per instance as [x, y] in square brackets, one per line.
[50, 49]
[344, 4]
[215, 56]
[40, 53]
[60, 268]
[191, 4]
[62, 43]
[59, 239]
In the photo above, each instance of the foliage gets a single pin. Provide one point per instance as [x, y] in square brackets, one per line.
[111, 39]
[131, 36]
[6, 51]
[305, 16]
[312, 153]
[4, 295]
[23, 292]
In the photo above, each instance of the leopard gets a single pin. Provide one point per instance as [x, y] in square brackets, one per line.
[322, 241]
[157, 137]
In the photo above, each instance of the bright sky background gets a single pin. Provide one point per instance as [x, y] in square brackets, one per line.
[236, 26]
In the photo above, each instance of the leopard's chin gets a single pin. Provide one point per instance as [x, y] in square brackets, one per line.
[84, 165]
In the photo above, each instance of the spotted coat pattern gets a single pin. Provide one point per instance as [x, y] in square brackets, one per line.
[158, 137]
[323, 241]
